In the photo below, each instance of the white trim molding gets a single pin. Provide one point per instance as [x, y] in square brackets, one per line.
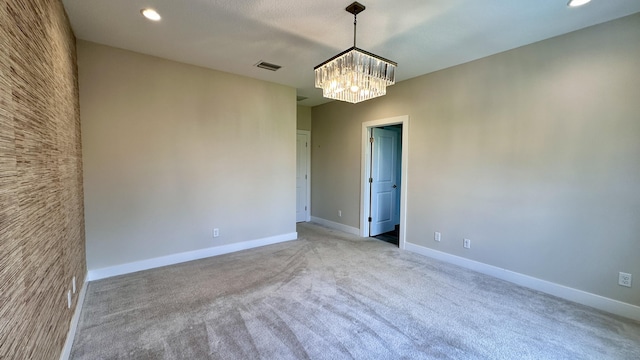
[68, 344]
[173, 259]
[336, 226]
[582, 297]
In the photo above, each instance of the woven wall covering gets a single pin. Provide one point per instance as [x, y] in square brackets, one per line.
[41, 195]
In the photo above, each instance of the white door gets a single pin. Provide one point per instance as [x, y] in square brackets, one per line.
[302, 177]
[383, 181]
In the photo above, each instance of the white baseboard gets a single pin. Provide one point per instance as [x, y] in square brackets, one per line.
[571, 294]
[68, 344]
[336, 226]
[147, 264]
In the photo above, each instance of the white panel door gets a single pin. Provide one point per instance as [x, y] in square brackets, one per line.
[383, 185]
[302, 207]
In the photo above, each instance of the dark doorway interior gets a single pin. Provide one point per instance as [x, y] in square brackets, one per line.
[391, 237]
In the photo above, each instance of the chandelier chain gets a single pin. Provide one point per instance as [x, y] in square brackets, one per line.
[355, 21]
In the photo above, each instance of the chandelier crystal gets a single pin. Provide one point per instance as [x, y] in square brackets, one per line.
[355, 75]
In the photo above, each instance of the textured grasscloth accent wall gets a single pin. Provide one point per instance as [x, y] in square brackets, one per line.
[41, 196]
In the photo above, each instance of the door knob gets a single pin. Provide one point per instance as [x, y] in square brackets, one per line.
[394, 186]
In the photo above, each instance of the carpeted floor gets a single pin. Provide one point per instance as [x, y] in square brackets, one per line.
[330, 295]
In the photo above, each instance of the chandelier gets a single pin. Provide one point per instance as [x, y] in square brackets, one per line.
[355, 75]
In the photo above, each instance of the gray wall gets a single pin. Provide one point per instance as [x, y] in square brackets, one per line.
[173, 150]
[533, 154]
[303, 115]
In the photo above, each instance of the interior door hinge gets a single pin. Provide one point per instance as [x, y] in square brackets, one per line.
[305, 208]
[306, 144]
[370, 219]
[370, 180]
[305, 177]
[371, 140]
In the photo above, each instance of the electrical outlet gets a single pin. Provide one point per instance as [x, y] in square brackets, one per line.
[436, 236]
[466, 243]
[73, 284]
[216, 232]
[339, 213]
[624, 279]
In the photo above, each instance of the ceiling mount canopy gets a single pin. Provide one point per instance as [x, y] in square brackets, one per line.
[355, 75]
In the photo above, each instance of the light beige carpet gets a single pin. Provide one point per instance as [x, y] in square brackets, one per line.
[330, 295]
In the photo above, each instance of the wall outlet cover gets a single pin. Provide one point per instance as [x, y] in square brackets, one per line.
[624, 279]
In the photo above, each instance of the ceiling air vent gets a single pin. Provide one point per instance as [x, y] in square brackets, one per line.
[268, 66]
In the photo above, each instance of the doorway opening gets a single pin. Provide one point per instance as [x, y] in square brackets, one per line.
[384, 179]
[303, 176]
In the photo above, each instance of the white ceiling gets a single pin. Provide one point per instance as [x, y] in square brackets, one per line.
[422, 36]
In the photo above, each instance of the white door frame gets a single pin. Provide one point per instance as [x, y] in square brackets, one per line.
[366, 170]
[308, 154]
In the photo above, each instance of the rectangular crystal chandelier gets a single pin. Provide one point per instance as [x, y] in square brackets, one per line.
[355, 75]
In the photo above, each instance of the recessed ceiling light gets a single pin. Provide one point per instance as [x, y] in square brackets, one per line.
[575, 3]
[150, 14]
